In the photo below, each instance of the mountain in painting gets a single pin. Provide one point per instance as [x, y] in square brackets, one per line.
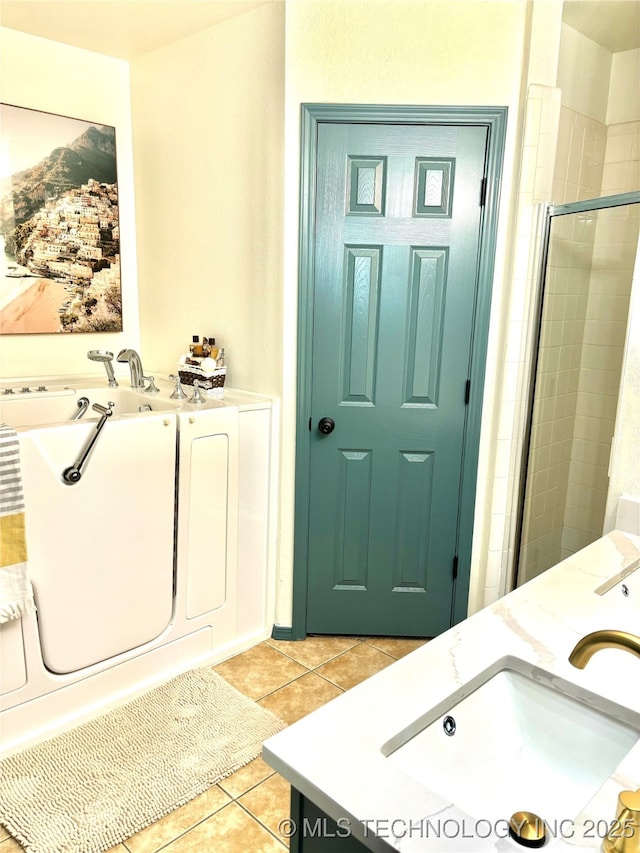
[91, 156]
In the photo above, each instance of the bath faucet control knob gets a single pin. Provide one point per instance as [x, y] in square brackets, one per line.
[178, 391]
[151, 388]
[197, 399]
[627, 817]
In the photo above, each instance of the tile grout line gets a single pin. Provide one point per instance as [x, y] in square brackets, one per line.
[257, 820]
[359, 641]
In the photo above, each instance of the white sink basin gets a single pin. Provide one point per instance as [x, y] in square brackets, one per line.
[523, 740]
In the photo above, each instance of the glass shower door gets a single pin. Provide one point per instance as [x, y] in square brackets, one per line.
[586, 290]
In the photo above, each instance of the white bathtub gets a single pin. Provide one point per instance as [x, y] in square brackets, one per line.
[134, 567]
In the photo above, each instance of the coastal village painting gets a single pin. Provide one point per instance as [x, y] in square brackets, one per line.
[59, 225]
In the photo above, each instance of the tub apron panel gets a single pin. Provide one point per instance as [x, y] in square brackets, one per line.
[102, 561]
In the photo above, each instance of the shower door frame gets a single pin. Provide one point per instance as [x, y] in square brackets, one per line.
[549, 211]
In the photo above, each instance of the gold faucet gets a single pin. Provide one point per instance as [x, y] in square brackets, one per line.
[609, 639]
[624, 835]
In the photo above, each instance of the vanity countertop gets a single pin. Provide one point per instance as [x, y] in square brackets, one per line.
[333, 756]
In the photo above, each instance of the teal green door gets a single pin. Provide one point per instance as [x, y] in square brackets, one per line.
[398, 215]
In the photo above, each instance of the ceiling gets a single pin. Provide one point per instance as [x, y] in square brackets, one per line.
[614, 24]
[120, 28]
[128, 28]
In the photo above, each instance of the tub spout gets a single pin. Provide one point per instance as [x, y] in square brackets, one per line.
[135, 366]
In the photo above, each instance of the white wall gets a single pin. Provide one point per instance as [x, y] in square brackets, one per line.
[584, 70]
[403, 52]
[624, 103]
[45, 75]
[208, 115]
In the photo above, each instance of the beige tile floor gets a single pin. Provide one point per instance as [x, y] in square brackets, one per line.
[242, 812]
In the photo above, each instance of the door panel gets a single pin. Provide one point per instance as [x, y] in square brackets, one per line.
[396, 248]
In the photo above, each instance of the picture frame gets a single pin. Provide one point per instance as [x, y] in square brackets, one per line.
[59, 225]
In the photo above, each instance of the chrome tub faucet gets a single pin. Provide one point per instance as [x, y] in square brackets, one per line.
[137, 374]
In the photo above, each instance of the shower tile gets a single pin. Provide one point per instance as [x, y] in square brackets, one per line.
[494, 568]
[601, 333]
[599, 382]
[618, 148]
[603, 357]
[591, 452]
[597, 407]
[259, 671]
[503, 463]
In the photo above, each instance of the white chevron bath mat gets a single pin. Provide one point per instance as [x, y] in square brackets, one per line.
[86, 790]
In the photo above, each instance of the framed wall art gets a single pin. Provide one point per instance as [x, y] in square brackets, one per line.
[59, 225]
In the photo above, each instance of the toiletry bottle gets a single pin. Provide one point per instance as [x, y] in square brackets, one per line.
[206, 348]
[196, 347]
[220, 359]
[214, 348]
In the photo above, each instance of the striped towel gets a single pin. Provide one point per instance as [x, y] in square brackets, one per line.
[16, 594]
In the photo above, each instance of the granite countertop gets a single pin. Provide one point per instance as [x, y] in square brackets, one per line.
[334, 757]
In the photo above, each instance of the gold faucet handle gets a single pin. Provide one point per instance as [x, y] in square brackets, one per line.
[624, 835]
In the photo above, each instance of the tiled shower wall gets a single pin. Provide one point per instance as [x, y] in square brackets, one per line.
[566, 157]
[614, 252]
[579, 164]
[586, 303]
[540, 134]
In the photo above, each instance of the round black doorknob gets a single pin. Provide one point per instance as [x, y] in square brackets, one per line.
[326, 425]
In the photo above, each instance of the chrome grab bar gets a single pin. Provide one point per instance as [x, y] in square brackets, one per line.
[73, 473]
[83, 405]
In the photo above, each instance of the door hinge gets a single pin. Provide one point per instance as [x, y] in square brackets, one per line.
[483, 192]
[455, 567]
[467, 392]
[309, 424]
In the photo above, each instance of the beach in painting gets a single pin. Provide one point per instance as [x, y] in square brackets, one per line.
[37, 307]
[27, 302]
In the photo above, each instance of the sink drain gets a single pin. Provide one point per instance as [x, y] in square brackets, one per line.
[449, 725]
[528, 829]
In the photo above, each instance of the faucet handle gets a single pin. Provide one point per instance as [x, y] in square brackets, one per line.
[624, 836]
[178, 391]
[197, 399]
[151, 387]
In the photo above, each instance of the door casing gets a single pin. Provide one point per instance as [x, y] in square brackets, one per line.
[495, 120]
